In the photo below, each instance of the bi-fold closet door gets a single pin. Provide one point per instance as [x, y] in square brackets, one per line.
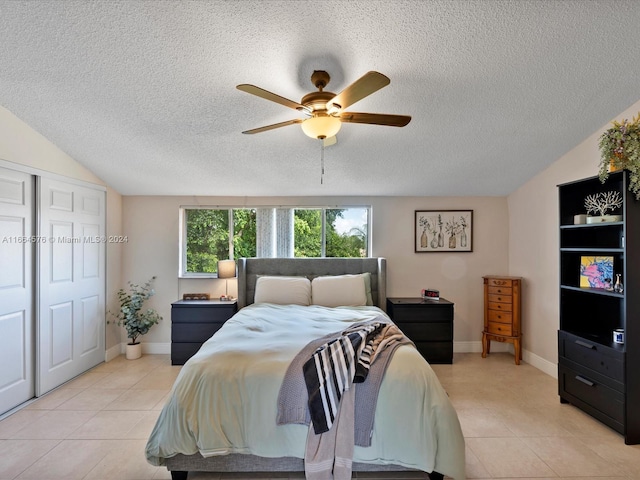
[52, 283]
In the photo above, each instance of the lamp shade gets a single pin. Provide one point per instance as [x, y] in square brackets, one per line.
[226, 268]
[321, 126]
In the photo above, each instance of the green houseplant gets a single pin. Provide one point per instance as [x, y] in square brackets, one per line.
[131, 316]
[620, 149]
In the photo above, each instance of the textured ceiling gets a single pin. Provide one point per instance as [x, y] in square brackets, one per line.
[143, 92]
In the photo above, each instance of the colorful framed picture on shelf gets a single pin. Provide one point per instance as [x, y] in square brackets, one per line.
[443, 231]
[596, 272]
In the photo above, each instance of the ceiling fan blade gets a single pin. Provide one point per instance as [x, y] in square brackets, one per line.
[375, 119]
[275, 125]
[369, 83]
[262, 93]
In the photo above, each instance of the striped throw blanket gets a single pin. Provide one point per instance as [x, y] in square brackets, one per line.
[333, 367]
[293, 398]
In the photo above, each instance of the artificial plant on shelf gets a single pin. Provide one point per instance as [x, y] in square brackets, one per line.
[131, 316]
[620, 149]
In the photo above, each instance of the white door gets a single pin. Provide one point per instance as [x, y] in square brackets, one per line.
[16, 289]
[71, 279]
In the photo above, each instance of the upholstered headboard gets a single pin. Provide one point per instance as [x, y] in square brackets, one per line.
[250, 268]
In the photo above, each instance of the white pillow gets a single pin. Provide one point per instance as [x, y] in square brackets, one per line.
[283, 290]
[367, 287]
[338, 290]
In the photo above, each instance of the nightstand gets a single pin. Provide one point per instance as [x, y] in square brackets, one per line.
[193, 322]
[428, 323]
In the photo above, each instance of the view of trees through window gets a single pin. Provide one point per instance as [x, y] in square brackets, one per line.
[208, 232]
[348, 241]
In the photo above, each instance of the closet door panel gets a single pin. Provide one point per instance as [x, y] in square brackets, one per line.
[60, 333]
[16, 289]
[60, 253]
[72, 281]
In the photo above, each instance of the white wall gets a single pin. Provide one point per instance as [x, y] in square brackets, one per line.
[19, 143]
[534, 240]
[114, 335]
[151, 224]
[22, 147]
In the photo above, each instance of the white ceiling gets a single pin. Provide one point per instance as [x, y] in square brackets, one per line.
[143, 92]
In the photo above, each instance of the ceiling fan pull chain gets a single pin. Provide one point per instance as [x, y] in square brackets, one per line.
[321, 161]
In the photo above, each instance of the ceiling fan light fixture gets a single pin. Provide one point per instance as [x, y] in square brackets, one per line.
[333, 108]
[305, 110]
[321, 126]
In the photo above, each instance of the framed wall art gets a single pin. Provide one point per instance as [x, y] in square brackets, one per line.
[443, 231]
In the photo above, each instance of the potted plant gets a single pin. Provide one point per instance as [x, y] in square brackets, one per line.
[620, 148]
[132, 318]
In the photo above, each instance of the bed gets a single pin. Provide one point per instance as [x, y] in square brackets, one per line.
[220, 416]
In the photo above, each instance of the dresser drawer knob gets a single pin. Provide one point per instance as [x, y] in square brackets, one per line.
[585, 381]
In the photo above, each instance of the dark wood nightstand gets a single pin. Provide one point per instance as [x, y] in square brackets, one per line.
[193, 322]
[428, 323]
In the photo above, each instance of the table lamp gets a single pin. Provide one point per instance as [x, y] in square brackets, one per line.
[226, 270]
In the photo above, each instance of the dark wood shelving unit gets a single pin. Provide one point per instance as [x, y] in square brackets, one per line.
[596, 374]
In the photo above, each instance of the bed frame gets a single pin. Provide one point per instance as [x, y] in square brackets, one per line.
[250, 268]
[248, 271]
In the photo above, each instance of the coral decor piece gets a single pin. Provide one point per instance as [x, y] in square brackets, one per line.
[601, 202]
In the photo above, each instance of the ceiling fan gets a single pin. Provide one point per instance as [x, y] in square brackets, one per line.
[325, 110]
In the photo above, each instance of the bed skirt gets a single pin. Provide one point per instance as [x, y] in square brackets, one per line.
[237, 462]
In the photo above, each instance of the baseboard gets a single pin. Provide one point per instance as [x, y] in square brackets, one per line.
[147, 348]
[113, 352]
[155, 348]
[532, 359]
[540, 363]
[476, 347]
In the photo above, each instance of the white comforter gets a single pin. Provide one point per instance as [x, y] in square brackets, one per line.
[224, 399]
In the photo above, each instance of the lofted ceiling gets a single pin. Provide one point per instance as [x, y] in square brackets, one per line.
[143, 92]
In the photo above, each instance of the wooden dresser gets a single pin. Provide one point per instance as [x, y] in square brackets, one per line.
[502, 313]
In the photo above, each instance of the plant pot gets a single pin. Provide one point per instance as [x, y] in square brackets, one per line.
[133, 351]
[614, 166]
[604, 219]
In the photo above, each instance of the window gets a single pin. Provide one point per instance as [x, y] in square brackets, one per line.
[331, 232]
[209, 234]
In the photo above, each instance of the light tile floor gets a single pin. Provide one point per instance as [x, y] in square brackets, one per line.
[95, 427]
